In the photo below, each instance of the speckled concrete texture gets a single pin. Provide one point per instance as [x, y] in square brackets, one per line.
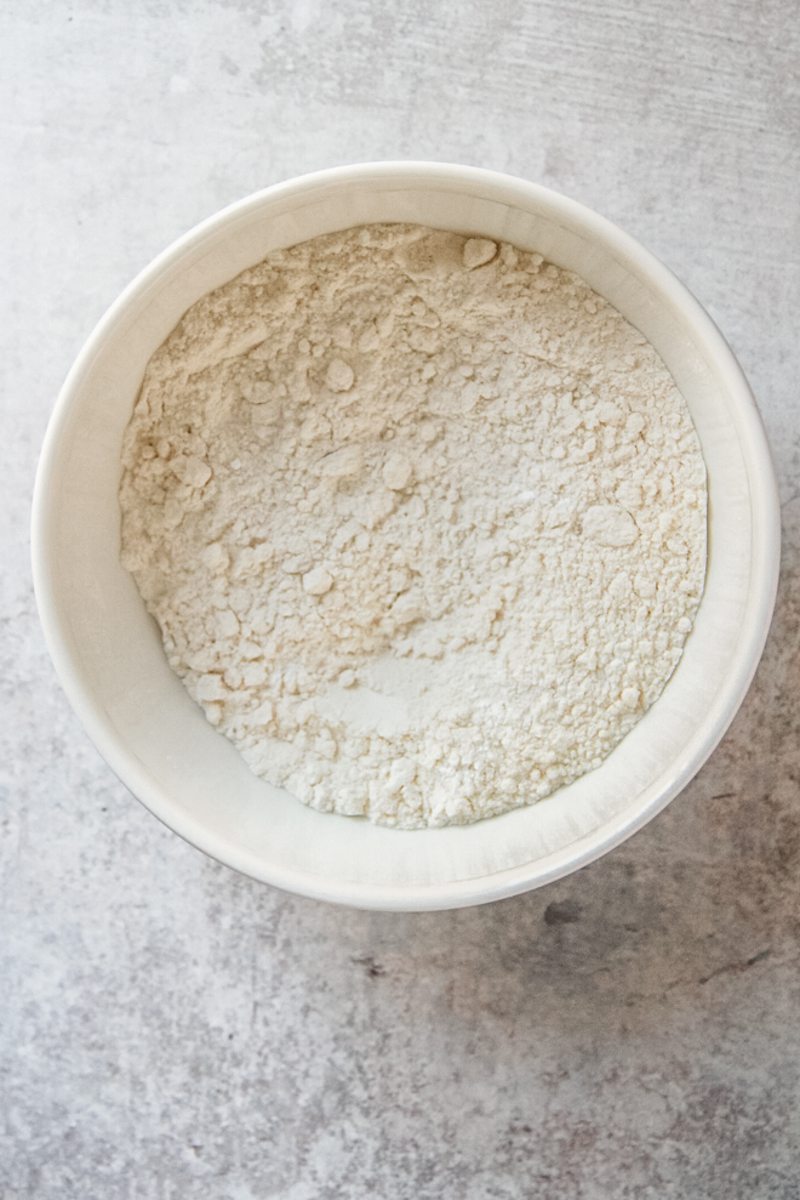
[170, 1029]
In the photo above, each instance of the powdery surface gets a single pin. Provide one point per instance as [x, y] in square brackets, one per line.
[422, 520]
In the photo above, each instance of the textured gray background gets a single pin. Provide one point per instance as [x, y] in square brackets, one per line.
[172, 1030]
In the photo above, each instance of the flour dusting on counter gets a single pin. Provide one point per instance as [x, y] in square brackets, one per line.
[422, 520]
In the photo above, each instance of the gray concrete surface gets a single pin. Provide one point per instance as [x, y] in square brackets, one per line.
[169, 1029]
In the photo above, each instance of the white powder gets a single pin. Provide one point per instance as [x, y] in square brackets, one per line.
[422, 520]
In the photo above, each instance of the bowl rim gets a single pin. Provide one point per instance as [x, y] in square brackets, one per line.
[765, 512]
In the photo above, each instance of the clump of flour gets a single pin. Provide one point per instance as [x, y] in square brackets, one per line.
[422, 520]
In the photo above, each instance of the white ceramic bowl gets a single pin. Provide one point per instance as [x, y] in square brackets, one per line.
[108, 652]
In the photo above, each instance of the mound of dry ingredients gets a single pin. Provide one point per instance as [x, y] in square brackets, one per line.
[422, 520]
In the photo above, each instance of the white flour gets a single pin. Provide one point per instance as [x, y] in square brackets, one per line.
[422, 520]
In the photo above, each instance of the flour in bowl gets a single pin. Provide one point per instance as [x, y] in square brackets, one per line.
[422, 520]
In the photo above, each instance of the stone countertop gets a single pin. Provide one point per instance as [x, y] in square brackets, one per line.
[170, 1029]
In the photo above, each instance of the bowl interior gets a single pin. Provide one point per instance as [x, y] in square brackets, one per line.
[109, 653]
